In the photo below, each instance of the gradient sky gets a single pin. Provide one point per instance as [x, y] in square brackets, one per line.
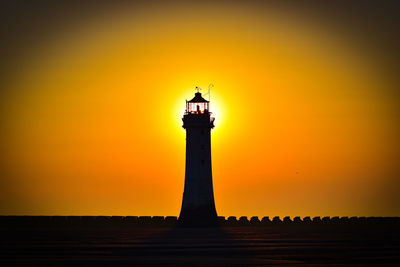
[306, 100]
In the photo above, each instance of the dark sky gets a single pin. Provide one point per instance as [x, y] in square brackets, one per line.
[375, 23]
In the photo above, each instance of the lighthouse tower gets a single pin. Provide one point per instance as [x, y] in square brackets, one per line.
[198, 208]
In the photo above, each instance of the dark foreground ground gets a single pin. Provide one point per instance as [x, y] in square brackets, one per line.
[116, 244]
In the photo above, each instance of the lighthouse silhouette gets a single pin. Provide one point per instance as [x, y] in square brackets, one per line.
[198, 207]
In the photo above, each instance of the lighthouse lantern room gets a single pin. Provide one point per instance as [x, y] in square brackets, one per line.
[198, 105]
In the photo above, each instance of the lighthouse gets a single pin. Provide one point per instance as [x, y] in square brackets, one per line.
[198, 207]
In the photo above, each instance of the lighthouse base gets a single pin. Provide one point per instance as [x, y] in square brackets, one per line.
[202, 216]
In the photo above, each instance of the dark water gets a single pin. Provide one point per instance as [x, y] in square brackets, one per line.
[227, 246]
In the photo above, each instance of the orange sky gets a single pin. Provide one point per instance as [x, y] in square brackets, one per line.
[306, 119]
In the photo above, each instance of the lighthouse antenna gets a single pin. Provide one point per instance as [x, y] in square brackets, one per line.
[209, 91]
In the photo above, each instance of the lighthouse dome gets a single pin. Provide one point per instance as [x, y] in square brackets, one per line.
[198, 98]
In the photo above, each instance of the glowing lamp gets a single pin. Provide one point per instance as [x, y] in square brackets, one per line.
[198, 105]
